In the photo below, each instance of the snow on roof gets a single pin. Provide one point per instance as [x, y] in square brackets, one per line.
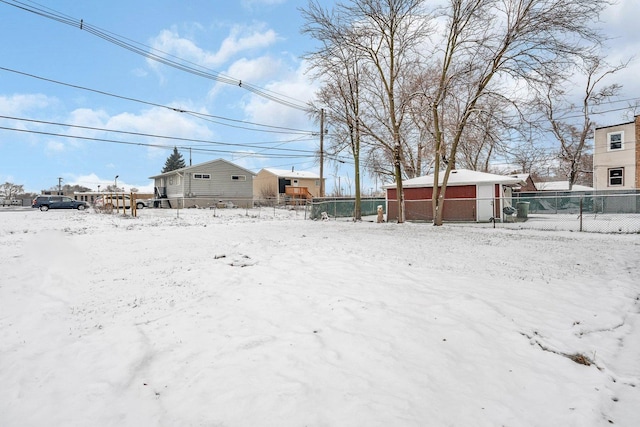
[285, 173]
[522, 176]
[461, 177]
[560, 186]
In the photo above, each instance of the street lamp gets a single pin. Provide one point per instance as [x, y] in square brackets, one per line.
[115, 183]
[98, 188]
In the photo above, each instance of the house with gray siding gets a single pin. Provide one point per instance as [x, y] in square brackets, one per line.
[215, 183]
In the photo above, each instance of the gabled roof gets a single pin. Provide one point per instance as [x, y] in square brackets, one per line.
[461, 177]
[526, 178]
[284, 173]
[199, 165]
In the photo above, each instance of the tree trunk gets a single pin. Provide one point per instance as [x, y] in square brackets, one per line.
[399, 190]
[357, 211]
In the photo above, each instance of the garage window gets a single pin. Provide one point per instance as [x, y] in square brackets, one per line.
[238, 177]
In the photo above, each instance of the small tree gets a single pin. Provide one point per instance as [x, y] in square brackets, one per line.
[174, 161]
[268, 195]
[339, 65]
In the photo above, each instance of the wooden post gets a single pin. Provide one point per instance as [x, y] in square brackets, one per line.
[322, 152]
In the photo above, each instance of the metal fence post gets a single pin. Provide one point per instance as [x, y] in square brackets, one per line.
[581, 205]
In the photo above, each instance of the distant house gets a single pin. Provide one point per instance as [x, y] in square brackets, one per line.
[470, 196]
[529, 185]
[214, 183]
[281, 185]
[616, 156]
[560, 186]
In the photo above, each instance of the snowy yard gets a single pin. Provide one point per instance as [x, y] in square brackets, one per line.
[261, 318]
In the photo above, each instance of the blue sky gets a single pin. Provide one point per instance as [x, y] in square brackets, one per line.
[257, 42]
[254, 41]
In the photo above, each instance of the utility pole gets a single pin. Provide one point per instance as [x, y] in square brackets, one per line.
[322, 152]
[59, 186]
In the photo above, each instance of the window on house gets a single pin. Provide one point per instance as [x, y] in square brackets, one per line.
[317, 183]
[615, 140]
[616, 177]
[201, 176]
[170, 181]
[238, 177]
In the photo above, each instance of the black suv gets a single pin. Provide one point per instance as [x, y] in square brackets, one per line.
[58, 202]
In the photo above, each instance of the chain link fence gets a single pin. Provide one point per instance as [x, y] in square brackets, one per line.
[342, 207]
[595, 212]
[587, 212]
[611, 212]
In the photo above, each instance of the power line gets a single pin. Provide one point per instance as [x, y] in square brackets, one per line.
[268, 128]
[142, 144]
[175, 138]
[264, 153]
[160, 56]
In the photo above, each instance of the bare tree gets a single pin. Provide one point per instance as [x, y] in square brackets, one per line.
[574, 136]
[339, 65]
[10, 190]
[387, 34]
[492, 46]
[530, 157]
[633, 110]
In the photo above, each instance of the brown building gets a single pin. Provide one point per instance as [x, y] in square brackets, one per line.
[280, 185]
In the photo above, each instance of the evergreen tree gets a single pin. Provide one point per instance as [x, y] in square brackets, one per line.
[174, 161]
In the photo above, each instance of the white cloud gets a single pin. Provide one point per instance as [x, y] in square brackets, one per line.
[255, 70]
[155, 121]
[252, 71]
[88, 117]
[21, 103]
[139, 72]
[240, 39]
[161, 121]
[252, 4]
[55, 146]
[246, 38]
[292, 86]
[94, 182]
[619, 21]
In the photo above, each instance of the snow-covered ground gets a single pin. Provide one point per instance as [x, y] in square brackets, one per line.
[262, 318]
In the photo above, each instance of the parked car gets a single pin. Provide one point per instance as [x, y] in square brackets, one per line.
[110, 201]
[10, 202]
[44, 203]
